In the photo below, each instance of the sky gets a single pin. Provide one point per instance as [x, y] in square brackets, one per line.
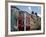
[29, 9]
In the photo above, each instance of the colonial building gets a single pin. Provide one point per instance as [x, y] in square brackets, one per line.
[24, 21]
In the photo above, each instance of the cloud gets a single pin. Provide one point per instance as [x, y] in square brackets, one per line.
[39, 15]
[29, 8]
